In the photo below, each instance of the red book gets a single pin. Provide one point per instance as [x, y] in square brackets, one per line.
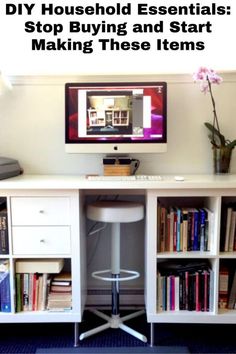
[197, 292]
[35, 291]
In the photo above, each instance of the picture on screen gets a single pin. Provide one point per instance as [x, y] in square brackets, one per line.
[116, 112]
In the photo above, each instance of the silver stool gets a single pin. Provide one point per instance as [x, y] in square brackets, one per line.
[115, 212]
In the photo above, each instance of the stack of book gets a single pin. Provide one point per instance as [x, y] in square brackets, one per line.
[184, 286]
[227, 286]
[184, 229]
[60, 295]
[33, 278]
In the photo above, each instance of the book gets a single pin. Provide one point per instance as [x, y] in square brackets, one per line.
[185, 229]
[175, 231]
[190, 236]
[206, 287]
[26, 292]
[227, 228]
[209, 229]
[4, 248]
[202, 228]
[197, 291]
[61, 283]
[223, 287]
[163, 227]
[158, 227]
[232, 293]
[193, 229]
[19, 306]
[179, 240]
[31, 286]
[159, 292]
[177, 291]
[232, 231]
[62, 277]
[61, 289]
[171, 229]
[5, 293]
[50, 265]
[196, 239]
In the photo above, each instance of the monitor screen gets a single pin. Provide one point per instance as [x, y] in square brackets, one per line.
[116, 117]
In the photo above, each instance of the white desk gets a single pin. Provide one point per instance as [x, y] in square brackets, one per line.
[209, 190]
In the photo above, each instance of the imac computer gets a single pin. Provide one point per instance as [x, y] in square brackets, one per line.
[116, 117]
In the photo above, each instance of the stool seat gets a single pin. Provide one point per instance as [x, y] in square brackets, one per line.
[115, 211]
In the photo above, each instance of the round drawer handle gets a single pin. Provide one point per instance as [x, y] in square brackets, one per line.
[41, 211]
[42, 240]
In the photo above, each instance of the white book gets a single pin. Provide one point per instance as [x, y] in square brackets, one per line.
[45, 265]
[176, 293]
[209, 231]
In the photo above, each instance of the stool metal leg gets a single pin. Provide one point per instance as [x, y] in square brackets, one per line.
[133, 315]
[133, 332]
[115, 248]
[115, 266]
[115, 286]
[76, 334]
[94, 331]
[152, 334]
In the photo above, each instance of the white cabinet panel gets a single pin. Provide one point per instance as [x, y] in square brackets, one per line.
[40, 210]
[41, 240]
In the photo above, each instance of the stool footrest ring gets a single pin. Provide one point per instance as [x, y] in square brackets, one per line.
[133, 275]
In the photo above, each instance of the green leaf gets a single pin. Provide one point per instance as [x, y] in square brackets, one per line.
[232, 144]
[216, 133]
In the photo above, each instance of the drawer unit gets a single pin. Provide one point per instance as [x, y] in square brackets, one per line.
[43, 240]
[40, 211]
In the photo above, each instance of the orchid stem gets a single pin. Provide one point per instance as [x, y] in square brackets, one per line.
[215, 119]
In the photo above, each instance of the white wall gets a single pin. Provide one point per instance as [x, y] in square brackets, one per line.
[32, 125]
[32, 130]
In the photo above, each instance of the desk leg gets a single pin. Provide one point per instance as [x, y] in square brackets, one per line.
[76, 334]
[152, 339]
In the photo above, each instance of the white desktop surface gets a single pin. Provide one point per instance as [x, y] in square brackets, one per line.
[81, 182]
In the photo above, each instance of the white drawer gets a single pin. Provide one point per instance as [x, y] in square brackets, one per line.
[40, 210]
[41, 240]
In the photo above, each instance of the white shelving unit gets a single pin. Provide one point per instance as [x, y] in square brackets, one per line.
[56, 204]
[112, 116]
[46, 224]
[120, 117]
[211, 199]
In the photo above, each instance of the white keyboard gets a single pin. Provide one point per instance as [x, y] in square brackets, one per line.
[125, 178]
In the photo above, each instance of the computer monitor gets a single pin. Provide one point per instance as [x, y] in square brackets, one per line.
[118, 117]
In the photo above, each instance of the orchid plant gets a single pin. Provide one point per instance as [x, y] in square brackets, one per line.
[206, 77]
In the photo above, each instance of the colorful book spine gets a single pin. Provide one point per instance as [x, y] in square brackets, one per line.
[202, 228]
[196, 231]
[185, 230]
[5, 293]
[179, 230]
[4, 248]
